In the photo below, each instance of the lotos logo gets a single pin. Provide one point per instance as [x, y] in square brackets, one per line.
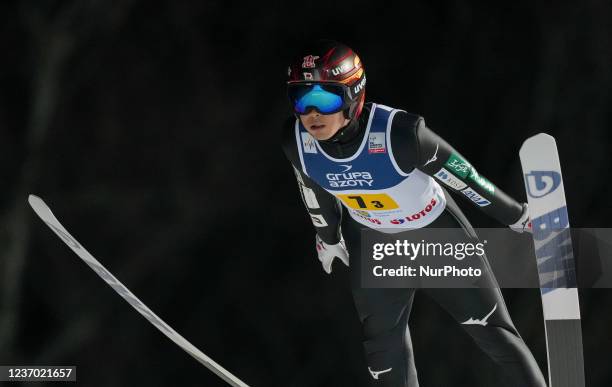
[309, 61]
[357, 88]
[423, 212]
[397, 221]
[541, 183]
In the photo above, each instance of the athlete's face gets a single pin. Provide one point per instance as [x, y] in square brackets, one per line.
[323, 126]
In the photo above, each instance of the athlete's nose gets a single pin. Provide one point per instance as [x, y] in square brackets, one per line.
[312, 114]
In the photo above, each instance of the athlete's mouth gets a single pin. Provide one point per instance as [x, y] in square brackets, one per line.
[316, 127]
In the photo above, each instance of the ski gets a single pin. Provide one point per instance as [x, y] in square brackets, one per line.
[43, 211]
[555, 260]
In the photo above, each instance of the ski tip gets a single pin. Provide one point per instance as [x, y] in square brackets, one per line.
[40, 207]
[538, 140]
[34, 200]
[544, 136]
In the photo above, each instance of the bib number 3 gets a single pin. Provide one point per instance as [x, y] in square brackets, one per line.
[370, 202]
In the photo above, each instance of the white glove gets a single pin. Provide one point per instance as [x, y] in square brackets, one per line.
[524, 223]
[327, 253]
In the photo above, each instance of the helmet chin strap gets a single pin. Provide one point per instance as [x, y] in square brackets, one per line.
[347, 113]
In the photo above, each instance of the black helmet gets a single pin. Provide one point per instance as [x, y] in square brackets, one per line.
[330, 65]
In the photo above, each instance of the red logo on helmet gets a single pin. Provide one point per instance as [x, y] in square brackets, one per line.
[309, 61]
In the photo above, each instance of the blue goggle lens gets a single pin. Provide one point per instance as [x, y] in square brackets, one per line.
[325, 99]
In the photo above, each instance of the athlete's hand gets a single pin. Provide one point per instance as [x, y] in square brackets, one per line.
[327, 253]
[524, 222]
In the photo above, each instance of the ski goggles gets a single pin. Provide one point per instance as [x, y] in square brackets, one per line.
[326, 98]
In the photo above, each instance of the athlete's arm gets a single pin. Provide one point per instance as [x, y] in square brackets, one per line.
[425, 150]
[323, 208]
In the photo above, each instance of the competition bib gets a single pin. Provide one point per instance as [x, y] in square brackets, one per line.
[369, 184]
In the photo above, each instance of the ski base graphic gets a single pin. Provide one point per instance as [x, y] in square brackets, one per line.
[555, 260]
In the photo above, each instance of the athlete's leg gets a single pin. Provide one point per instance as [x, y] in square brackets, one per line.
[384, 316]
[483, 315]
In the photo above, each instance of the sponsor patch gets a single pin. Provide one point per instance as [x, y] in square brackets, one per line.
[309, 143]
[418, 215]
[475, 197]
[357, 88]
[309, 61]
[342, 68]
[482, 182]
[458, 165]
[349, 178]
[318, 220]
[424, 212]
[449, 179]
[361, 213]
[376, 143]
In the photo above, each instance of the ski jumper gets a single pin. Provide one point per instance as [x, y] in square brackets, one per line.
[391, 173]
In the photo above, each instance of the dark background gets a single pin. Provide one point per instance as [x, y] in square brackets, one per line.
[152, 131]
